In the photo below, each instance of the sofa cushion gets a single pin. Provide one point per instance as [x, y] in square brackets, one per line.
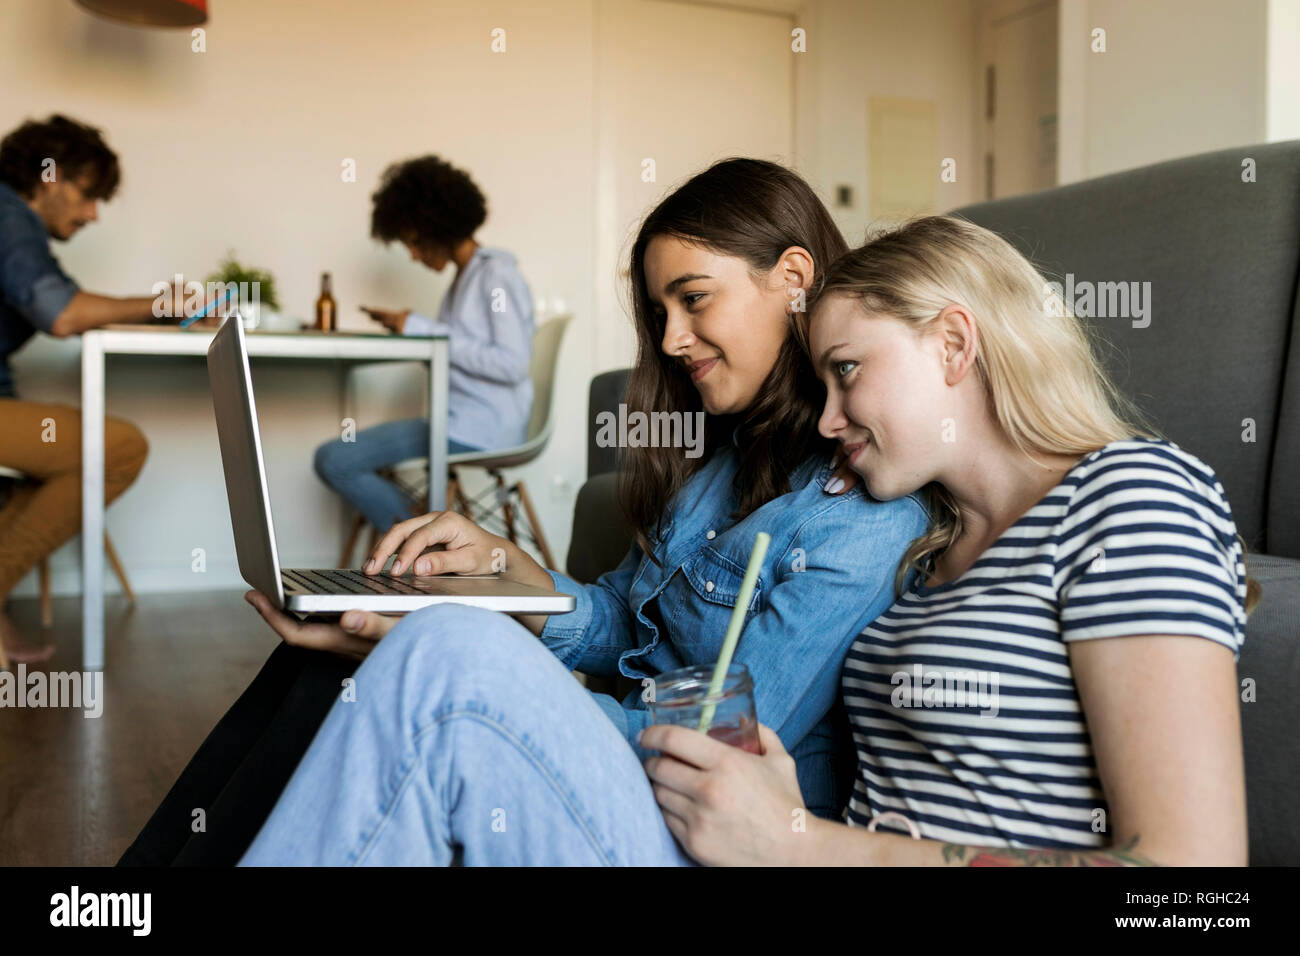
[1270, 724]
[1284, 486]
[1220, 255]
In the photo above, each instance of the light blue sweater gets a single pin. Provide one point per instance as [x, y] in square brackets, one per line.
[488, 315]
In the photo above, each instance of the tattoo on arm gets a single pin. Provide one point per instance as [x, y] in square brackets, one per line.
[1014, 856]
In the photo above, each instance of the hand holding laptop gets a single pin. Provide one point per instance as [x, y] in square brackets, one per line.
[460, 547]
[355, 634]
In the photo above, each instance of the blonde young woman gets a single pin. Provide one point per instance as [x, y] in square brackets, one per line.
[1056, 683]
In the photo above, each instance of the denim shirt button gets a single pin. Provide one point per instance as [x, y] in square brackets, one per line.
[708, 586]
[711, 535]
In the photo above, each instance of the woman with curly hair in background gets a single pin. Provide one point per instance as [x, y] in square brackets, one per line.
[434, 210]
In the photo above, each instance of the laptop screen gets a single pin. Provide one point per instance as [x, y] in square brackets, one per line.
[241, 458]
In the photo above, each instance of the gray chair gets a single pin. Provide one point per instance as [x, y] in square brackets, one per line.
[601, 535]
[494, 508]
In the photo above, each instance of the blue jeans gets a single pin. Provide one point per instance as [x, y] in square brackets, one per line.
[350, 467]
[465, 731]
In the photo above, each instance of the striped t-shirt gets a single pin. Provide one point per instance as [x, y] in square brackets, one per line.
[964, 711]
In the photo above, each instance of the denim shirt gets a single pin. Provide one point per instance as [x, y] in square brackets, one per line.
[33, 288]
[829, 571]
[488, 318]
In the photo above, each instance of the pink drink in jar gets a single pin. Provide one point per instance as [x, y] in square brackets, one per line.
[743, 735]
[681, 697]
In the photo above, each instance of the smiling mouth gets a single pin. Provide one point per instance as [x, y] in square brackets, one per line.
[702, 368]
[853, 451]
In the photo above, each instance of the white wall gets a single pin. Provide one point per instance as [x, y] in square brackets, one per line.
[241, 147]
[1283, 70]
[1178, 77]
[664, 66]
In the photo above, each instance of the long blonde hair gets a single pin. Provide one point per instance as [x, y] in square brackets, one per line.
[1045, 385]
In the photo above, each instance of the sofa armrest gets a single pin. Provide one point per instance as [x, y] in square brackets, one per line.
[600, 541]
[601, 535]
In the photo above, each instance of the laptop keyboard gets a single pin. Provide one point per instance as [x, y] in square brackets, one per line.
[343, 581]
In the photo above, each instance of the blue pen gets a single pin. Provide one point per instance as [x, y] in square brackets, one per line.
[207, 310]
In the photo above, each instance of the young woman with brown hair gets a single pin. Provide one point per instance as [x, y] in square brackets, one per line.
[468, 728]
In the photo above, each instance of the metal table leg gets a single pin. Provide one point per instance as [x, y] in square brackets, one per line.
[92, 502]
[438, 371]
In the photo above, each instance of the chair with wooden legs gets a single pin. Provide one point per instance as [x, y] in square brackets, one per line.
[502, 495]
[43, 568]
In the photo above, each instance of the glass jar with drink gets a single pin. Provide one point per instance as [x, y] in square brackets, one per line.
[682, 697]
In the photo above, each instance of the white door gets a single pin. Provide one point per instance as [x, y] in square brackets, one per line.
[1019, 50]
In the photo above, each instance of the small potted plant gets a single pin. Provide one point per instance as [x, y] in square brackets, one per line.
[257, 299]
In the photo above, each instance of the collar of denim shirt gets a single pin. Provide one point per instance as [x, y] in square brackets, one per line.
[708, 497]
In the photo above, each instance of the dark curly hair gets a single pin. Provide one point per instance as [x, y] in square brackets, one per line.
[427, 200]
[78, 151]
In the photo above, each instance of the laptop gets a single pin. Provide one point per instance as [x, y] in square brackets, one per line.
[323, 590]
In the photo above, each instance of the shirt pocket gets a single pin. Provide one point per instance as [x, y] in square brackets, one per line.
[717, 579]
[709, 592]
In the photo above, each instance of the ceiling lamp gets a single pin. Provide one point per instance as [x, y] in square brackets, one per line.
[151, 13]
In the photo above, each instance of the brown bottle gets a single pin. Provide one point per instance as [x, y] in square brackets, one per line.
[327, 312]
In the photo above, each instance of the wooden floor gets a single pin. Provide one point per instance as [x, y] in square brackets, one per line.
[76, 790]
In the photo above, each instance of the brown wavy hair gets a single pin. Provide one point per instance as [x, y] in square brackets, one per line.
[753, 210]
[78, 151]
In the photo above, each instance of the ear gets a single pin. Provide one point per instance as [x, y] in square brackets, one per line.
[42, 189]
[959, 337]
[794, 273]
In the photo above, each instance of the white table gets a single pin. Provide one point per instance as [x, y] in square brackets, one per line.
[171, 340]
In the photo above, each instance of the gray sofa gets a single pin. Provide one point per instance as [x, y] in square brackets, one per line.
[1220, 345]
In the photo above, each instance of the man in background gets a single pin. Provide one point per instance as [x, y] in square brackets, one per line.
[53, 174]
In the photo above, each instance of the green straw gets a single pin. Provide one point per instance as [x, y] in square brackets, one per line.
[756, 556]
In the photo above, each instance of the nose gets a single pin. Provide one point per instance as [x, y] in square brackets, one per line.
[832, 420]
[92, 213]
[677, 335]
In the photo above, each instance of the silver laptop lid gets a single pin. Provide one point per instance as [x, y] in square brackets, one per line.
[241, 458]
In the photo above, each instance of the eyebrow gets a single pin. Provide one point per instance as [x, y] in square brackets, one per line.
[672, 287]
[825, 361]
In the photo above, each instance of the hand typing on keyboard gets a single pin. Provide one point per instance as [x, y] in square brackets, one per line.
[444, 542]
